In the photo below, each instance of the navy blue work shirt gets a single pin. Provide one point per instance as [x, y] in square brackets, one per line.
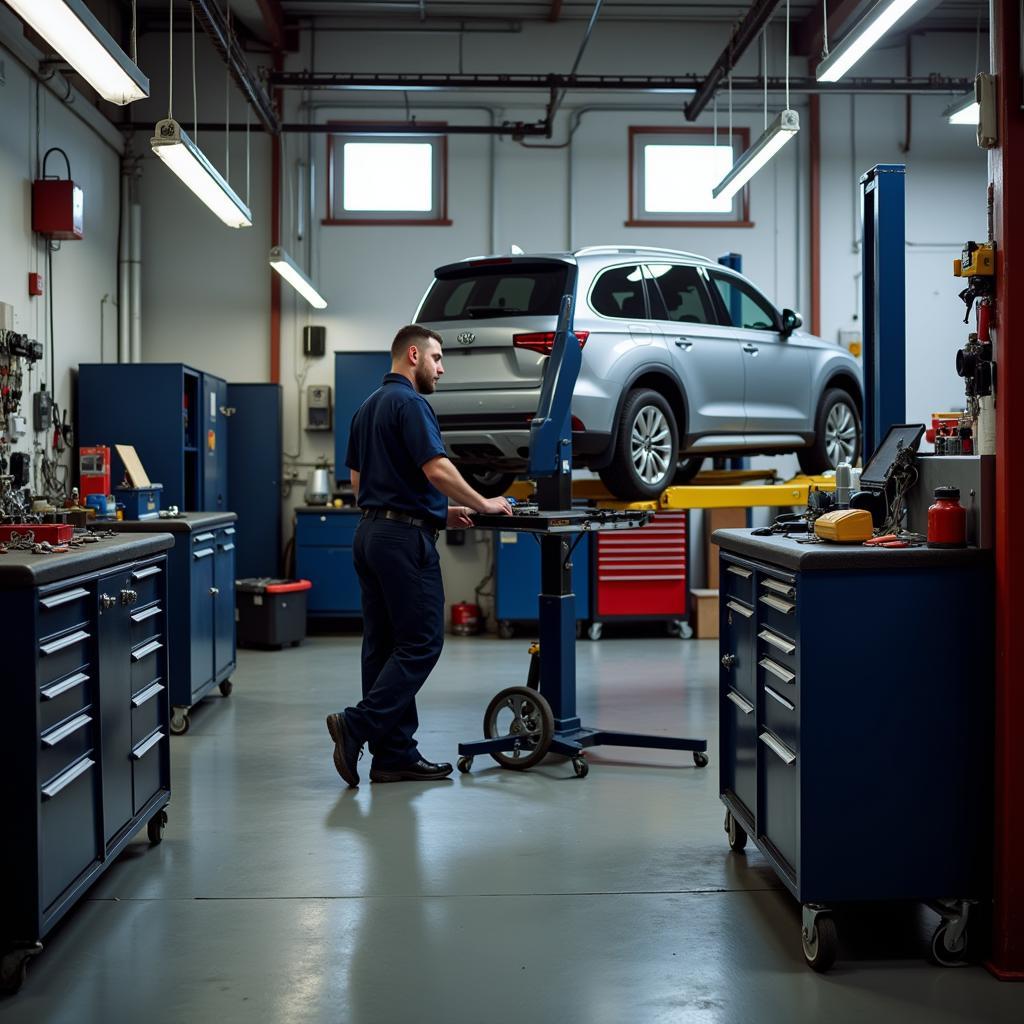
[394, 432]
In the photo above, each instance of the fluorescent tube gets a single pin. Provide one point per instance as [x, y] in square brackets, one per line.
[289, 270]
[778, 133]
[189, 163]
[878, 20]
[73, 31]
[966, 110]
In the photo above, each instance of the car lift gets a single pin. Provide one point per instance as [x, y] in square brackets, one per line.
[543, 712]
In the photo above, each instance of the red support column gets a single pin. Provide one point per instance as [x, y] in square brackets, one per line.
[1005, 165]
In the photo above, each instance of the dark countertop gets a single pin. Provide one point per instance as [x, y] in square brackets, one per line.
[326, 509]
[23, 569]
[789, 554]
[187, 522]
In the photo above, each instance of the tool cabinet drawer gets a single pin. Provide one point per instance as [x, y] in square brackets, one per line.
[64, 697]
[773, 672]
[736, 581]
[147, 773]
[736, 646]
[68, 840]
[149, 710]
[777, 821]
[64, 743]
[64, 608]
[739, 748]
[778, 613]
[147, 623]
[779, 648]
[61, 655]
[779, 713]
[147, 582]
[147, 663]
[328, 529]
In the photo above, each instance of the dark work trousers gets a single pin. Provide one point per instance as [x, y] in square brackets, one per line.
[403, 631]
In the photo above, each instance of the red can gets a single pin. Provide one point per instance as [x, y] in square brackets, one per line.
[947, 520]
[465, 619]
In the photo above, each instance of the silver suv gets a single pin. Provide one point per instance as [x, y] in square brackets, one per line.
[682, 359]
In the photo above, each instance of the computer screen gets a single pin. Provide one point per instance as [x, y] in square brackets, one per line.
[879, 468]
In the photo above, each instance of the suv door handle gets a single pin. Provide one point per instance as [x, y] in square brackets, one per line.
[684, 343]
[752, 349]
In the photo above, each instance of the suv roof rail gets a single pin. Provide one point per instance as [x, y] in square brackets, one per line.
[601, 250]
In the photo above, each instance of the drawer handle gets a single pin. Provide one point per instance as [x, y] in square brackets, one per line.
[230, 531]
[779, 699]
[55, 736]
[146, 650]
[744, 705]
[202, 537]
[778, 604]
[740, 609]
[150, 570]
[744, 574]
[56, 689]
[777, 670]
[139, 752]
[613, 579]
[66, 778]
[777, 641]
[205, 553]
[786, 589]
[56, 600]
[146, 613]
[65, 641]
[227, 547]
[778, 748]
[147, 694]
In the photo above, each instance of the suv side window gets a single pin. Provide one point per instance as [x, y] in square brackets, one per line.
[619, 292]
[685, 298]
[743, 306]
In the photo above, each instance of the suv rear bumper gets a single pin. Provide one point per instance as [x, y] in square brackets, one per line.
[510, 449]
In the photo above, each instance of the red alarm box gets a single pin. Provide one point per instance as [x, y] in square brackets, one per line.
[57, 208]
[93, 471]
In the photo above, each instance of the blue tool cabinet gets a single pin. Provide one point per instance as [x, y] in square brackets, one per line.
[856, 721]
[356, 376]
[201, 612]
[323, 555]
[84, 760]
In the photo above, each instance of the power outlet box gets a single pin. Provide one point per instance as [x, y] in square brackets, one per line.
[318, 407]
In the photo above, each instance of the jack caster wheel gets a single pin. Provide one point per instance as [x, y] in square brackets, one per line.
[594, 631]
[155, 827]
[736, 833]
[525, 717]
[465, 763]
[946, 952]
[226, 686]
[701, 759]
[580, 767]
[821, 945]
[14, 965]
[180, 721]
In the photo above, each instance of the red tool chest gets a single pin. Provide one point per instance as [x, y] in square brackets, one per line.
[641, 574]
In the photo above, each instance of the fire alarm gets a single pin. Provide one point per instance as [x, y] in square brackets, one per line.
[57, 208]
[35, 284]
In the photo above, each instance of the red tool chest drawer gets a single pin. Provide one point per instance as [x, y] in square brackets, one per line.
[642, 573]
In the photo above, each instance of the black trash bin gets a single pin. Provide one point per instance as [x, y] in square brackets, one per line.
[269, 612]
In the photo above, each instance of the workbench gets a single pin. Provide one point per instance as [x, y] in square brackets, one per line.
[83, 736]
[856, 723]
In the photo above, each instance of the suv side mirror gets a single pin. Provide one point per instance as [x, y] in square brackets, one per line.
[791, 321]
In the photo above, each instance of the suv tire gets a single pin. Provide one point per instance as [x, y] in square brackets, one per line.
[837, 434]
[491, 483]
[646, 447]
[687, 469]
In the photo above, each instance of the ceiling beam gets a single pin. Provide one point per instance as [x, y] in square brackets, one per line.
[746, 33]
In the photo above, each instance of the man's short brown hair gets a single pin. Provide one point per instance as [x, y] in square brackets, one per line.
[409, 336]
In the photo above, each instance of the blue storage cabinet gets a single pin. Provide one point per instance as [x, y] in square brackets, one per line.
[356, 376]
[517, 579]
[856, 721]
[175, 418]
[84, 760]
[201, 610]
[323, 555]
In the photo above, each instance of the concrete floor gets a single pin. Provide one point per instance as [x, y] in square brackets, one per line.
[278, 895]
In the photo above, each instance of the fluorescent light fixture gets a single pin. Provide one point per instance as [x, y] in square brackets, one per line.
[778, 133]
[72, 30]
[289, 270]
[966, 110]
[878, 20]
[189, 163]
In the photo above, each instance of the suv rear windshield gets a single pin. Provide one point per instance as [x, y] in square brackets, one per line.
[478, 293]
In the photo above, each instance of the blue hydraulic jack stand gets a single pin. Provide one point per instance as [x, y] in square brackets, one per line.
[524, 723]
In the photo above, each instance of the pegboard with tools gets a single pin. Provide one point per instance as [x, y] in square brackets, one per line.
[17, 353]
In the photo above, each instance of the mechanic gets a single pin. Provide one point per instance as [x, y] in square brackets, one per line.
[401, 479]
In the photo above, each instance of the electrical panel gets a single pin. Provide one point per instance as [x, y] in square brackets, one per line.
[57, 208]
[318, 407]
[314, 341]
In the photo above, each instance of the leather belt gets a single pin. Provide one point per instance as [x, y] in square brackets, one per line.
[399, 517]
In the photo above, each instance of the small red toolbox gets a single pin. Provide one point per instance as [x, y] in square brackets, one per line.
[53, 533]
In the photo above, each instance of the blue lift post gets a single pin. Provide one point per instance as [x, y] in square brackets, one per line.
[551, 467]
[884, 304]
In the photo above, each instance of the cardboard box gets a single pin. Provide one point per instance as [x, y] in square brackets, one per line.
[705, 614]
[720, 519]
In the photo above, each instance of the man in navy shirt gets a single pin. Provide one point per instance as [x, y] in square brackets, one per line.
[402, 481]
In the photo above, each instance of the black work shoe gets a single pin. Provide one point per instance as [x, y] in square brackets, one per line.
[346, 752]
[422, 771]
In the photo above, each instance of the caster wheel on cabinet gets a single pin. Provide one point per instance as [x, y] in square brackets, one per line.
[821, 945]
[525, 717]
[180, 721]
[701, 759]
[736, 833]
[14, 965]
[580, 767]
[945, 955]
[464, 765]
[594, 631]
[225, 687]
[155, 827]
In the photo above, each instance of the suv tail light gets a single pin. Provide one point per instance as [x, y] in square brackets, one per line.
[544, 341]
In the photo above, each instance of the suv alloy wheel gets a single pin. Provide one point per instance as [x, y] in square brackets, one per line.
[646, 450]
